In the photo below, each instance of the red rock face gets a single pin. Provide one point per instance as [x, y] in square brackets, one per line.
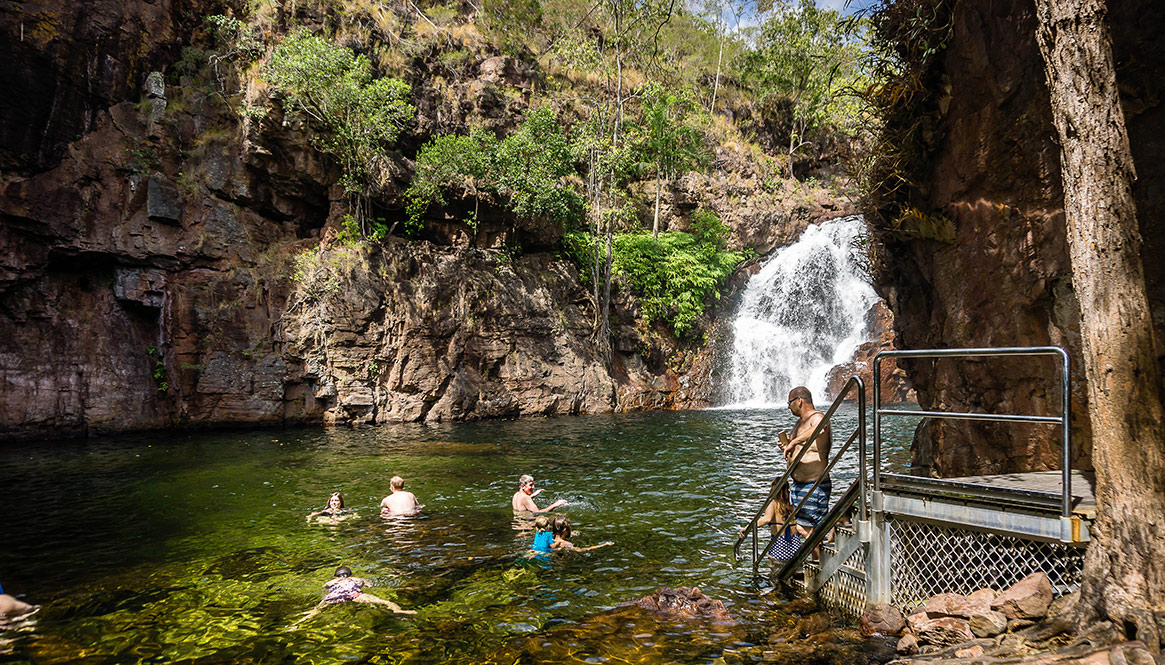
[1006, 279]
[894, 383]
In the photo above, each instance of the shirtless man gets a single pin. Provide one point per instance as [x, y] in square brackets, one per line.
[523, 501]
[399, 502]
[813, 464]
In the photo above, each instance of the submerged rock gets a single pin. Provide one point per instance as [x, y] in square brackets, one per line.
[687, 602]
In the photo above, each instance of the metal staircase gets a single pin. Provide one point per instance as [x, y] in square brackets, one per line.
[903, 538]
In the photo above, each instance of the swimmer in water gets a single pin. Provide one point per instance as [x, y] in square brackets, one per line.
[543, 537]
[560, 528]
[523, 501]
[335, 510]
[14, 610]
[343, 588]
[399, 502]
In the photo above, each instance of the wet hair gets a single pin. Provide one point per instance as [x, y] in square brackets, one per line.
[338, 496]
[542, 522]
[561, 526]
[782, 497]
[526, 479]
[397, 483]
[801, 392]
[343, 571]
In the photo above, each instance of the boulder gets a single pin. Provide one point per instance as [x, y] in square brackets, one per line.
[987, 624]
[944, 604]
[970, 652]
[815, 624]
[687, 602]
[1026, 599]
[908, 645]
[882, 619]
[945, 631]
[983, 594]
[916, 620]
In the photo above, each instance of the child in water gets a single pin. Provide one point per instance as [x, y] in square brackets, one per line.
[342, 588]
[788, 542]
[560, 528]
[543, 537]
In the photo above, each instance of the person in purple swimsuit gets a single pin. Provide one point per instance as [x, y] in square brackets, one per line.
[342, 588]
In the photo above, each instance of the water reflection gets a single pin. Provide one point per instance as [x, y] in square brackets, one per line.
[169, 547]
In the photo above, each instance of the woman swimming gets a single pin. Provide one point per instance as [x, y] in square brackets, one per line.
[334, 511]
[343, 588]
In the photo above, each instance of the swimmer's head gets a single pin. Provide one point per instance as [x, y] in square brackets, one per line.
[397, 483]
[336, 500]
[343, 571]
[561, 526]
[526, 483]
[542, 522]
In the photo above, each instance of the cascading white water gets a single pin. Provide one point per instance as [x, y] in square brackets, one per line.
[803, 313]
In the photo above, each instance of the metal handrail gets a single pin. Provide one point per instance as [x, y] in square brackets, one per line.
[1064, 419]
[859, 432]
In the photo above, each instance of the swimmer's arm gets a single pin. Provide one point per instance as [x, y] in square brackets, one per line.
[593, 547]
[556, 504]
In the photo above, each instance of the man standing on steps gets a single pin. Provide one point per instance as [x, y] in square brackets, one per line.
[813, 464]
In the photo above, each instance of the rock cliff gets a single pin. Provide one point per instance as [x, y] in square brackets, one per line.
[163, 263]
[1003, 278]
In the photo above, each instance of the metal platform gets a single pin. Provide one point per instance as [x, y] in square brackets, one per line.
[914, 537]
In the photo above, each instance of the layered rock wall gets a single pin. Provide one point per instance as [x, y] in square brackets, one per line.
[1005, 279]
[153, 250]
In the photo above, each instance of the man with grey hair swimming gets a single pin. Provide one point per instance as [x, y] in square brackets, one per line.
[523, 501]
[399, 502]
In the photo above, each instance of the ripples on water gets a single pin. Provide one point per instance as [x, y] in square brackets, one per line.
[194, 548]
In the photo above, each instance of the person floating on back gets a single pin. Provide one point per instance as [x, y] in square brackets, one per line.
[343, 588]
[814, 462]
[523, 501]
[560, 528]
[399, 502]
[334, 511]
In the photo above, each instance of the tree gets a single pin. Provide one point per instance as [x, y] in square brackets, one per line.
[667, 141]
[465, 163]
[804, 55]
[533, 164]
[1124, 568]
[360, 115]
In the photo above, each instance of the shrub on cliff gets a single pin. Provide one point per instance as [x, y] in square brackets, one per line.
[675, 276]
[529, 169]
[360, 116]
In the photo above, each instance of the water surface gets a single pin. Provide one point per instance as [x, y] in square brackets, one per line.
[194, 548]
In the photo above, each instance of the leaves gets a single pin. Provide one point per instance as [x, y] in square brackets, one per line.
[360, 116]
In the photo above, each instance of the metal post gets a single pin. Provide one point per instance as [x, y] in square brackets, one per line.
[877, 461]
[862, 450]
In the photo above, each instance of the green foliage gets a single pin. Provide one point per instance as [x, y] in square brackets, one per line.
[466, 164]
[708, 228]
[159, 369]
[529, 168]
[360, 116]
[907, 38]
[809, 57]
[533, 164]
[674, 275]
[239, 38]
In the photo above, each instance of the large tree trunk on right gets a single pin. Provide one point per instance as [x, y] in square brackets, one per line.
[1124, 569]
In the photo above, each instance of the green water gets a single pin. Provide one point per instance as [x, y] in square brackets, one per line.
[194, 548]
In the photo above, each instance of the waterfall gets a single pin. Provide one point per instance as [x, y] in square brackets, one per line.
[804, 312]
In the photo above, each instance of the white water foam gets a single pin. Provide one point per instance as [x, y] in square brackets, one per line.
[803, 313]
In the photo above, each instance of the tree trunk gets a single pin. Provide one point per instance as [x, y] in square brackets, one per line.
[1124, 569]
[658, 186]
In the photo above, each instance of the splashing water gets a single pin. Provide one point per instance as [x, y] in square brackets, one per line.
[803, 313]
